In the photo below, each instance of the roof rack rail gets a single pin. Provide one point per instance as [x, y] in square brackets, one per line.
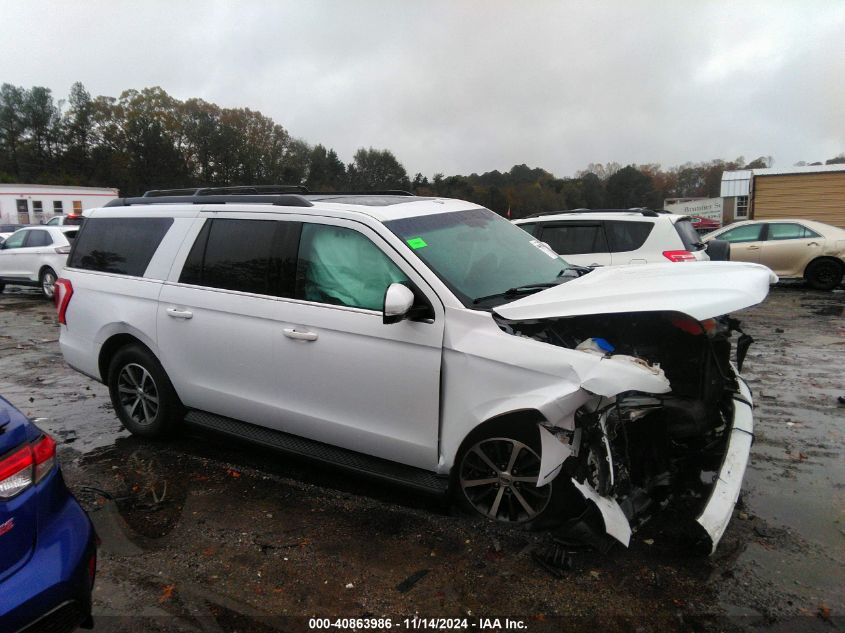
[227, 191]
[641, 210]
[279, 200]
[258, 190]
[540, 214]
[375, 192]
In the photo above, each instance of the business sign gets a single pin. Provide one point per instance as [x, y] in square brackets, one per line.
[710, 208]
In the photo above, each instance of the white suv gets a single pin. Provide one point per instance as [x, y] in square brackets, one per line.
[423, 340]
[33, 256]
[612, 237]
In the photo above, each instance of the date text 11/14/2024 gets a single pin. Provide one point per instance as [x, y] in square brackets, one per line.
[418, 623]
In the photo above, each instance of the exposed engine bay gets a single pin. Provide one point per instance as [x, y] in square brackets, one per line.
[633, 452]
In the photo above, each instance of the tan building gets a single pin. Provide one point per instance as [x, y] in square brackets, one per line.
[814, 192]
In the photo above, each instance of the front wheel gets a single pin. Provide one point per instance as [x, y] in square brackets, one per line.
[141, 393]
[48, 282]
[824, 274]
[497, 478]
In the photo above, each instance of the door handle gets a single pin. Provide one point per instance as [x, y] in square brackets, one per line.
[299, 335]
[753, 248]
[176, 313]
[813, 244]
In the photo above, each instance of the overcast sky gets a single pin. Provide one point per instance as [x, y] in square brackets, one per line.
[461, 87]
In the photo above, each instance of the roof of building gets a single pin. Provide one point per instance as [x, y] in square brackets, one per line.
[26, 187]
[738, 182]
[798, 169]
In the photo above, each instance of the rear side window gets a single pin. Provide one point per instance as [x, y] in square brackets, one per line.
[530, 228]
[38, 238]
[575, 239]
[71, 235]
[689, 236]
[626, 236]
[123, 246]
[785, 231]
[256, 256]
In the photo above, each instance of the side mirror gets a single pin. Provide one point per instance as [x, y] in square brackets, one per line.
[398, 300]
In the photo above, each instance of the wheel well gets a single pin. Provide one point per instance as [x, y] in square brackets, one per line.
[523, 416]
[43, 268]
[110, 348]
[821, 259]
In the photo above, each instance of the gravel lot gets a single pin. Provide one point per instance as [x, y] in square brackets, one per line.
[200, 534]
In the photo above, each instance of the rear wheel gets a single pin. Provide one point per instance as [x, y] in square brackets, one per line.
[141, 393]
[48, 282]
[824, 274]
[497, 477]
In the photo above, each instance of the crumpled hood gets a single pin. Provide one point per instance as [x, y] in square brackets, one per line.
[701, 290]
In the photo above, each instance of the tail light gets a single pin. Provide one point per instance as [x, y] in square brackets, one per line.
[16, 473]
[63, 293]
[679, 256]
[44, 456]
[62, 250]
[92, 566]
[26, 466]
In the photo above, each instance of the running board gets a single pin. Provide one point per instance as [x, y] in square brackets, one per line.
[418, 478]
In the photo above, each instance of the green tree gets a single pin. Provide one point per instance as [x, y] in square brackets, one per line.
[629, 187]
[12, 128]
[376, 169]
[326, 172]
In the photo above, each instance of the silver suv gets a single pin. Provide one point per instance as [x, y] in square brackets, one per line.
[423, 340]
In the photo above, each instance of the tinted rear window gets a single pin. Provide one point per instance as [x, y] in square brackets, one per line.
[257, 256]
[71, 235]
[626, 236]
[575, 239]
[123, 246]
[689, 236]
[38, 238]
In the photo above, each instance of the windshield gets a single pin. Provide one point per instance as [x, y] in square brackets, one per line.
[481, 256]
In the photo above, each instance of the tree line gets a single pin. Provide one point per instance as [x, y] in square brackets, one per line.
[147, 139]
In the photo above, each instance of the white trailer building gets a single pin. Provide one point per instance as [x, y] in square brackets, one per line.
[35, 204]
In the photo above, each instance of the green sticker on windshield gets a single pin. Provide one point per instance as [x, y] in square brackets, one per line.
[416, 242]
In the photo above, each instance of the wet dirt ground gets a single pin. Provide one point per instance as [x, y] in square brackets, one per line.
[203, 534]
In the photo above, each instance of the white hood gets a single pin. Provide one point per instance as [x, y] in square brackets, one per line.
[701, 290]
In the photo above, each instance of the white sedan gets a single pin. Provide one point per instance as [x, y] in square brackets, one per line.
[33, 256]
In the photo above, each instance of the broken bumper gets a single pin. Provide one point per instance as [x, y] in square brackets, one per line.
[719, 508]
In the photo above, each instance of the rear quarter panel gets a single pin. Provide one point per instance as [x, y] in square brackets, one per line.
[103, 305]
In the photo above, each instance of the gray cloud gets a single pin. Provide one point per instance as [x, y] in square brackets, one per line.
[459, 87]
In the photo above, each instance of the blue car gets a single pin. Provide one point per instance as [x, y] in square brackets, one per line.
[48, 553]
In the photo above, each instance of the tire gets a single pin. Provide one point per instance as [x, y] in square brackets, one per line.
[824, 274]
[47, 281]
[141, 393]
[496, 474]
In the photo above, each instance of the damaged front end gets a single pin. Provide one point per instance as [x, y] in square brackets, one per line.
[630, 453]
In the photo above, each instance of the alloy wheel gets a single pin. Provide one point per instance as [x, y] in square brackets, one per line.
[138, 394]
[48, 284]
[499, 475]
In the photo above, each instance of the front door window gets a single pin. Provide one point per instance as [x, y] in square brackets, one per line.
[340, 266]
